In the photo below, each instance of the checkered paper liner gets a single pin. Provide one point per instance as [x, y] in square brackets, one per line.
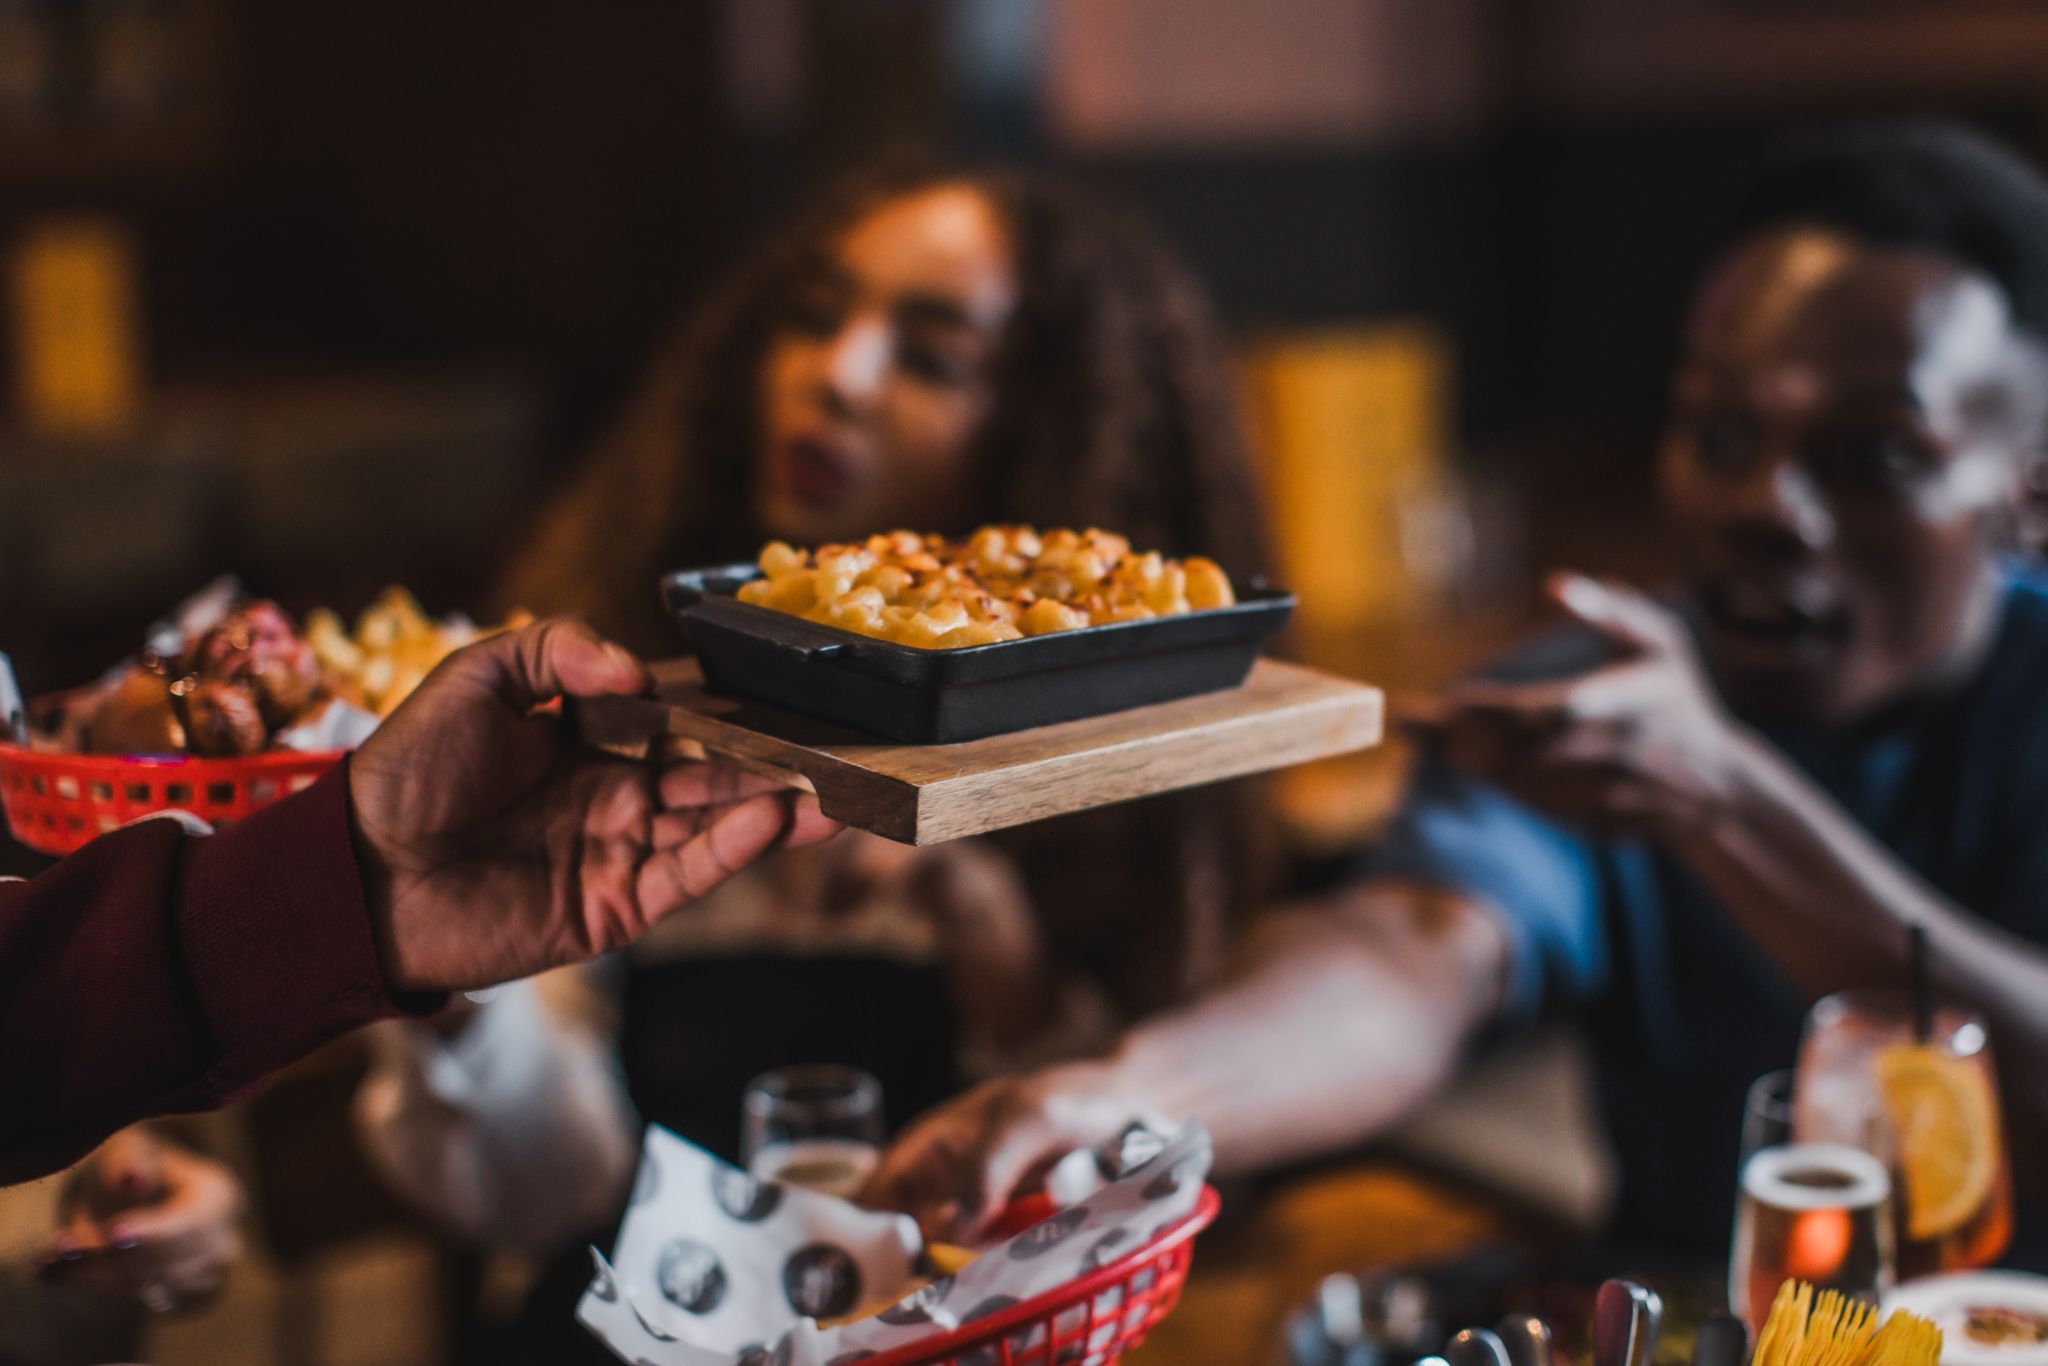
[714, 1268]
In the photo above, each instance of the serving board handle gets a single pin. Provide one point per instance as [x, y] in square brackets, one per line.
[648, 728]
[672, 749]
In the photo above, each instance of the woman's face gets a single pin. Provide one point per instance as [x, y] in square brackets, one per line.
[879, 374]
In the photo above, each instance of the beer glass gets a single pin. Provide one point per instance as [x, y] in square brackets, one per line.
[1813, 1211]
[818, 1125]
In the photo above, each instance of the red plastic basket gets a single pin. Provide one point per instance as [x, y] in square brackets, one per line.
[1090, 1321]
[57, 802]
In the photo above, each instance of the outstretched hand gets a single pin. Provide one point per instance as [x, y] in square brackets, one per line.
[957, 1167]
[147, 1220]
[494, 845]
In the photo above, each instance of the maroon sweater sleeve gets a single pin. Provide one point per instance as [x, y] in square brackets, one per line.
[156, 971]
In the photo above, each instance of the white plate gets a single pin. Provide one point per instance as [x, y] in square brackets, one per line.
[1947, 1299]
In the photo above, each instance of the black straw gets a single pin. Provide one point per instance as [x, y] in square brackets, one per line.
[1923, 983]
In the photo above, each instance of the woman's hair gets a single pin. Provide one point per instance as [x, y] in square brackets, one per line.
[1116, 406]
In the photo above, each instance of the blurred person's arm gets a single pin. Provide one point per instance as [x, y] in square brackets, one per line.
[514, 1131]
[1642, 746]
[1833, 906]
[1340, 1019]
[470, 841]
[1341, 1016]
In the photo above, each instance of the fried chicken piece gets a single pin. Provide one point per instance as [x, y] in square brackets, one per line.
[223, 719]
[258, 645]
[135, 717]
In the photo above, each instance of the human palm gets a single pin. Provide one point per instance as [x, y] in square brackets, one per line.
[493, 845]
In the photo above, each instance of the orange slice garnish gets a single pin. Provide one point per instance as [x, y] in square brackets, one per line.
[1944, 1119]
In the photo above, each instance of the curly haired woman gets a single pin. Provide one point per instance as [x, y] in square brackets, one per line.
[923, 351]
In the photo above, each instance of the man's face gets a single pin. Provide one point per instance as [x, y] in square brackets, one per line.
[1850, 434]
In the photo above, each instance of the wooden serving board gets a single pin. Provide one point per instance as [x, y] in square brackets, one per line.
[1282, 715]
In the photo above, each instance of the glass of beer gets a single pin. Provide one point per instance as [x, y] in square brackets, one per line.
[819, 1125]
[1928, 1109]
[1817, 1212]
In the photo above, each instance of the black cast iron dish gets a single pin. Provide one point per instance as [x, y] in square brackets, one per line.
[939, 696]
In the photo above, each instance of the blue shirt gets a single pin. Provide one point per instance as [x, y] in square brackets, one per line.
[1683, 1013]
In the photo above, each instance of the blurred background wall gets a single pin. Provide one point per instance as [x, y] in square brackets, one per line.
[384, 268]
[332, 296]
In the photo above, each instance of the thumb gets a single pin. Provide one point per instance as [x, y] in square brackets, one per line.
[1622, 614]
[557, 657]
[128, 1170]
[132, 1166]
[1003, 1161]
[199, 1194]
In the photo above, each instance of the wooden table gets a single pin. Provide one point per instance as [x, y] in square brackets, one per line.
[1250, 1276]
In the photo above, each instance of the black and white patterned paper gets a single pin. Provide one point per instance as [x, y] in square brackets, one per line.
[713, 1266]
[714, 1269]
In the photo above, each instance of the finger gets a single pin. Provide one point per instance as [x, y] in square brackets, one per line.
[808, 824]
[204, 1270]
[1583, 748]
[200, 1208]
[1622, 614]
[82, 1232]
[728, 841]
[697, 783]
[673, 829]
[1605, 694]
[129, 1168]
[913, 1174]
[1009, 1153]
[927, 1171]
[70, 1253]
[1505, 706]
[160, 1231]
[79, 1235]
[549, 659]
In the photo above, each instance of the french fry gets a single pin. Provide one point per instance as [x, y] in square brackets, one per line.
[395, 645]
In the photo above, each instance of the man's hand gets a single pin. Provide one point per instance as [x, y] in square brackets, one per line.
[1641, 746]
[493, 845]
[145, 1219]
[956, 1168]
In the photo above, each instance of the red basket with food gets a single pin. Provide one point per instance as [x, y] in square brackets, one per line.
[1091, 1320]
[230, 710]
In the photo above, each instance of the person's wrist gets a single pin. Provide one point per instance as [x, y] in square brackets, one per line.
[1743, 791]
[1136, 1074]
[374, 870]
[1752, 774]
